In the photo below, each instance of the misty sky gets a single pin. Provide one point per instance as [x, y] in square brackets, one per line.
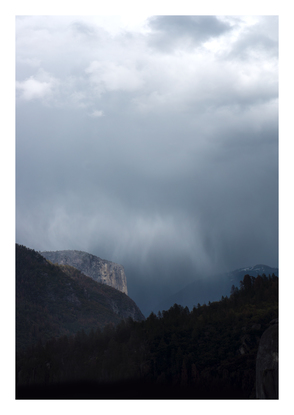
[150, 142]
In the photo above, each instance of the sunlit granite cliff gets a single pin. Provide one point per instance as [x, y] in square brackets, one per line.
[101, 270]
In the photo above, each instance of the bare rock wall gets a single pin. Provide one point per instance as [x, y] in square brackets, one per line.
[101, 270]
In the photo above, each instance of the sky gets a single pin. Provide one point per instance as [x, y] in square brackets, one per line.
[151, 141]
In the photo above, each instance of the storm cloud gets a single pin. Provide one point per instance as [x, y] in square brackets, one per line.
[154, 147]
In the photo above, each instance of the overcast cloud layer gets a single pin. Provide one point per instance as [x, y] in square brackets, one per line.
[152, 145]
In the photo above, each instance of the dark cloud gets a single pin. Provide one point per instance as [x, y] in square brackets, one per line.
[173, 31]
[166, 164]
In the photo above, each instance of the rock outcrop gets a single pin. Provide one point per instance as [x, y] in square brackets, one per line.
[101, 270]
[267, 364]
[54, 300]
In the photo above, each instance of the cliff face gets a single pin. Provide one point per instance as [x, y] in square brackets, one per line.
[57, 300]
[101, 270]
[267, 370]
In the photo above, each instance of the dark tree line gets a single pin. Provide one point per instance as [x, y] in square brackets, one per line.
[208, 352]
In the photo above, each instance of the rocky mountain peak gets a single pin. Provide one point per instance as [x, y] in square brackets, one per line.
[100, 270]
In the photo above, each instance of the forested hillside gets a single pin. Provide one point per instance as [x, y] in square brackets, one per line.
[212, 288]
[52, 301]
[208, 352]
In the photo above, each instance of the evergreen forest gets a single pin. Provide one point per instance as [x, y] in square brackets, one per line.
[208, 352]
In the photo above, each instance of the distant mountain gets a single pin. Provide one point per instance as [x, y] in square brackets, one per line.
[101, 270]
[53, 300]
[213, 288]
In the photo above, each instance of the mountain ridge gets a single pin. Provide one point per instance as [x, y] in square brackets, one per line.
[212, 288]
[56, 300]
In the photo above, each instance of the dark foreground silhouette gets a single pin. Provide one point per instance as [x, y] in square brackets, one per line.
[207, 353]
[123, 390]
